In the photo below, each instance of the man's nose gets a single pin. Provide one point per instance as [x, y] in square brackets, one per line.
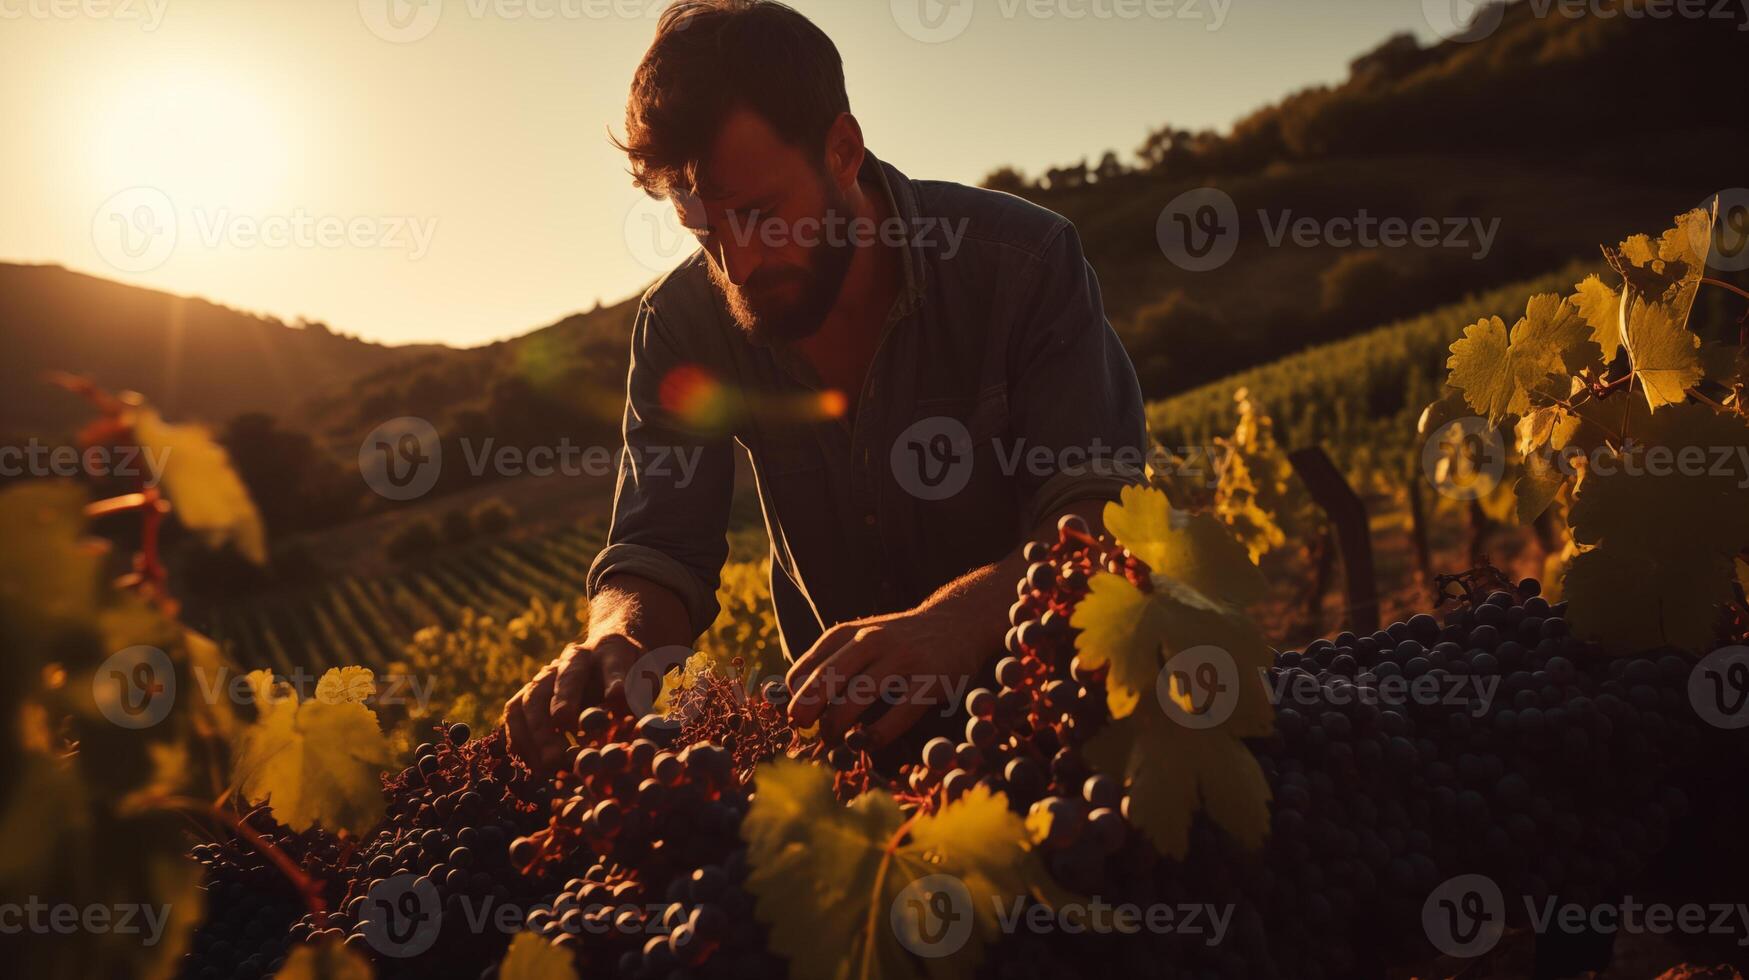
[738, 261]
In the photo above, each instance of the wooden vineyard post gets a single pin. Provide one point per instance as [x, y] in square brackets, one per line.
[1347, 515]
[1418, 527]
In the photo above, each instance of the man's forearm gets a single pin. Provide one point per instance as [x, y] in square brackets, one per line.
[640, 610]
[983, 595]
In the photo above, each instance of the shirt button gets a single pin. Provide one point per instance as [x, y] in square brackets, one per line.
[868, 519]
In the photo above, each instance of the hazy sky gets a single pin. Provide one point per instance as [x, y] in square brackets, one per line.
[439, 169]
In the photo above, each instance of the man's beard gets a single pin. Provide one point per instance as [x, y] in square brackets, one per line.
[766, 315]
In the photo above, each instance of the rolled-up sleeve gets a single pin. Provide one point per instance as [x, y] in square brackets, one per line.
[676, 480]
[1073, 388]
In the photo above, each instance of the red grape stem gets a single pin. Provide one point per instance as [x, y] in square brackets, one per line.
[307, 886]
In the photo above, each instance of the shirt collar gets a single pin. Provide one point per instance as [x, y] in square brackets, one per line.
[901, 196]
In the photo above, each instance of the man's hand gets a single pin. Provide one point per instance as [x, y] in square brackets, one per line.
[915, 660]
[537, 716]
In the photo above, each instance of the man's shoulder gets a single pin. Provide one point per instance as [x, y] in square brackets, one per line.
[684, 289]
[990, 218]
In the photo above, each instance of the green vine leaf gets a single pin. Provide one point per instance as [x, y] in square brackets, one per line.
[837, 884]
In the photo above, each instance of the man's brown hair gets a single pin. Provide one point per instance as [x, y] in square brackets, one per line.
[711, 57]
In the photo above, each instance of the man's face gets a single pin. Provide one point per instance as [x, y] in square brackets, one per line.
[766, 215]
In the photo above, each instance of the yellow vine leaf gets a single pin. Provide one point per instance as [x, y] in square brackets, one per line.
[1201, 576]
[209, 498]
[1172, 771]
[1600, 306]
[342, 685]
[1498, 371]
[325, 960]
[1640, 600]
[847, 890]
[532, 958]
[1664, 353]
[1538, 485]
[315, 762]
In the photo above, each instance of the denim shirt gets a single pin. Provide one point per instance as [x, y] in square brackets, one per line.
[998, 395]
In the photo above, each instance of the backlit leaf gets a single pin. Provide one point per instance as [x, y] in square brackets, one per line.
[208, 496]
[837, 884]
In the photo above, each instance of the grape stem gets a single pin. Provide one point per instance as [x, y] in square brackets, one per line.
[1728, 287]
[870, 929]
[309, 888]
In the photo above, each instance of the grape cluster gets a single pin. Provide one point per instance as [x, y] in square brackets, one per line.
[645, 833]
[250, 903]
[1490, 742]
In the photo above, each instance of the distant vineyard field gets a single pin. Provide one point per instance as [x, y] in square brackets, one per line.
[368, 620]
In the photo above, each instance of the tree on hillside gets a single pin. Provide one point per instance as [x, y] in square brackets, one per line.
[295, 484]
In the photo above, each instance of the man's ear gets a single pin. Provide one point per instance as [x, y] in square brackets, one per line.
[844, 151]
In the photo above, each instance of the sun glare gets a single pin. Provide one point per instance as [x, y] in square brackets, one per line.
[202, 139]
